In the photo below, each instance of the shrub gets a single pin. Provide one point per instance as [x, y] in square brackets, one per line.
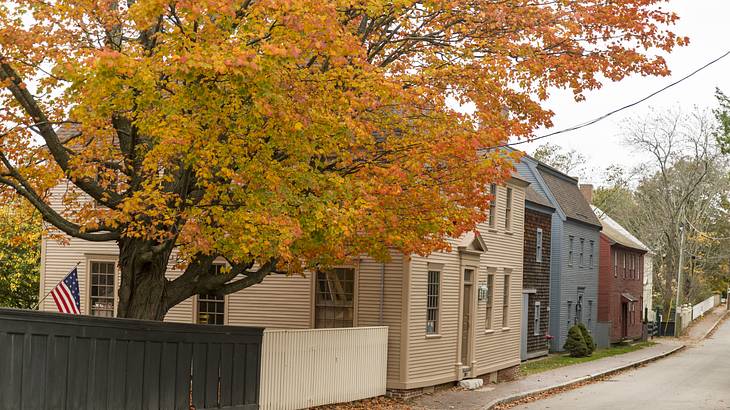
[576, 344]
[590, 344]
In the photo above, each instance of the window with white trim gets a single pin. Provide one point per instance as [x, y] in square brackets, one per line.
[432, 301]
[334, 302]
[536, 330]
[493, 206]
[101, 296]
[538, 245]
[212, 308]
[508, 211]
[489, 300]
[505, 301]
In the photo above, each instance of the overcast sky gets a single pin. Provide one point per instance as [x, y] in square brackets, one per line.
[706, 23]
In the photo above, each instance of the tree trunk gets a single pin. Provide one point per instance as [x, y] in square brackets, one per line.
[142, 287]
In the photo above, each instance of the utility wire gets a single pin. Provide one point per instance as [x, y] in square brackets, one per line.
[625, 107]
[706, 235]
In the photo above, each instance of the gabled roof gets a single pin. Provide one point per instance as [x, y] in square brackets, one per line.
[533, 196]
[567, 194]
[617, 233]
[472, 242]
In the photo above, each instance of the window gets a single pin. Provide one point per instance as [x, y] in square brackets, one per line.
[579, 306]
[432, 301]
[334, 303]
[582, 250]
[505, 304]
[212, 308]
[538, 245]
[493, 206]
[623, 257]
[590, 310]
[571, 239]
[490, 298]
[508, 211]
[102, 289]
[615, 264]
[590, 254]
[536, 330]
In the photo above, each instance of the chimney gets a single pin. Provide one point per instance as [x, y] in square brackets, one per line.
[587, 191]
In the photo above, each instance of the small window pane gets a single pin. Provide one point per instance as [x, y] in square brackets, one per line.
[335, 298]
[432, 301]
[101, 295]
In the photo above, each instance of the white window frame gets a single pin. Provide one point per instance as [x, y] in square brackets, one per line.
[538, 245]
[508, 211]
[196, 305]
[506, 286]
[86, 299]
[437, 309]
[536, 320]
[489, 312]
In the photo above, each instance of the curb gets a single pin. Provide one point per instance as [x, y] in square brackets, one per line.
[519, 396]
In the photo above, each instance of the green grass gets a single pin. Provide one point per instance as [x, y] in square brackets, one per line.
[557, 360]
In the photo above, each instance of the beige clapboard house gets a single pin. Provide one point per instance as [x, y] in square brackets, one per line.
[450, 315]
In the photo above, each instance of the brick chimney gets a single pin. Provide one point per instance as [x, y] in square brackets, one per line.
[587, 191]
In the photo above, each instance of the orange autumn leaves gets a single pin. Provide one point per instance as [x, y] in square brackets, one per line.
[308, 131]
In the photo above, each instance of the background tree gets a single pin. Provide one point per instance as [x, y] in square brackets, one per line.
[684, 184]
[287, 135]
[20, 254]
[570, 162]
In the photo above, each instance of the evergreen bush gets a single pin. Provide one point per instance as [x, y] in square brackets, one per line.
[588, 338]
[576, 344]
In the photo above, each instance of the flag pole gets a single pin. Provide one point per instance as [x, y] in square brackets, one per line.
[54, 287]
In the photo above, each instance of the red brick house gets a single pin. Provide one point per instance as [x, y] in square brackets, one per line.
[536, 275]
[620, 283]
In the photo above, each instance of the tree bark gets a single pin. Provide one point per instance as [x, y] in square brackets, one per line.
[142, 287]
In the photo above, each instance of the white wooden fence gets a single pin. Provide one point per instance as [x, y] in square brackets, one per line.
[699, 309]
[313, 367]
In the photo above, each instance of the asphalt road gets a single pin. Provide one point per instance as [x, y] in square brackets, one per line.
[696, 378]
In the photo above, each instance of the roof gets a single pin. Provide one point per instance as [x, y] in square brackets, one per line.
[533, 196]
[567, 194]
[617, 233]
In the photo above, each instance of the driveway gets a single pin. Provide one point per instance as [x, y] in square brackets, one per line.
[697, 378]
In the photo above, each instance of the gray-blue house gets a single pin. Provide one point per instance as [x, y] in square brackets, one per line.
[574, 250]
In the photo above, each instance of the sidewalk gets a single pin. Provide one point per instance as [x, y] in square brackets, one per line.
[491, 394]
[699, 329]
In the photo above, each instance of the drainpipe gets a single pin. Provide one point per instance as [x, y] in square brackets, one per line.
[382, 292]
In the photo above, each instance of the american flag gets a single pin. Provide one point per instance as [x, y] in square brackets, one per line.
[66, 294]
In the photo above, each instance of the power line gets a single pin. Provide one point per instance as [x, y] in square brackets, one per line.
[706, 235]
[625, 107]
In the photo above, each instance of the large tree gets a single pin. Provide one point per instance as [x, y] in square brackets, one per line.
[284, 135]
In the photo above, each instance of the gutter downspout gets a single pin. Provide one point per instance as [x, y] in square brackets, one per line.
[382, 292]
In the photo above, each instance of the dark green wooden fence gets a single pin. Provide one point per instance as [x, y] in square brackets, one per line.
[57, 361]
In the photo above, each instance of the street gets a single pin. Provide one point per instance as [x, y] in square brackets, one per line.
[697, 378]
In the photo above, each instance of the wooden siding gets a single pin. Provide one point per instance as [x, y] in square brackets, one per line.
[369, 302]
[433, 359]
[616, 281]
[537, 277]
[572, 278]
